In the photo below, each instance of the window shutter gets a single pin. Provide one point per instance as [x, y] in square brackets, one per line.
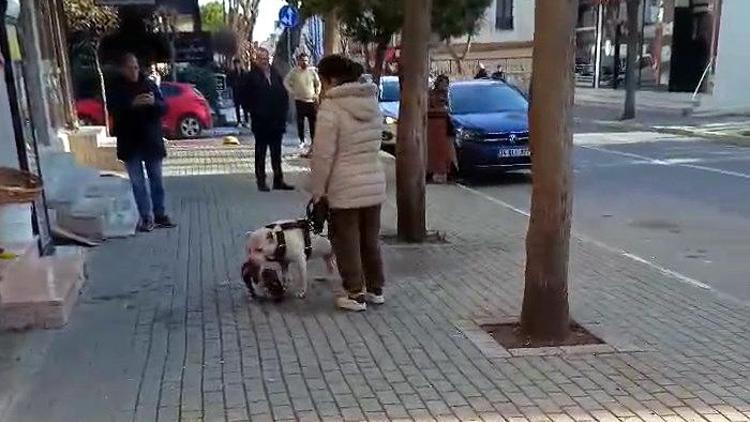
[504, 15]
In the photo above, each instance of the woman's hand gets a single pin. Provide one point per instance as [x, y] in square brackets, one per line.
[144, 100]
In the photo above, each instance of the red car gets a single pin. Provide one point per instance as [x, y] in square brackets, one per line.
[188, 112]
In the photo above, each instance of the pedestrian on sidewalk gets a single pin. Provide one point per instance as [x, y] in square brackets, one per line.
[347, 172]
[303, 85]
[441, 154]
[136, 106]
[234, 79]
[499, 74]
[154, 75]
[481, 72]
[265, 97]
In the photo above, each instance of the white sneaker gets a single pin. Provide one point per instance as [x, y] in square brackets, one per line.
[356, 303]
[374, 299]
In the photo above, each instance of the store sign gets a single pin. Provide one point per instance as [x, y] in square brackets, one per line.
[193, 47]
[184, 7]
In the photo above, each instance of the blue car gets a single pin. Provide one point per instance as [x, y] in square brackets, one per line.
[389, 97]
[489, 119]
[491, 124]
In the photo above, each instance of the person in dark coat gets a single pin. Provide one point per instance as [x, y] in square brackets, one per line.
[234, 80]
[266, 98]
[136, 106]
[499, 74]
[481, 72]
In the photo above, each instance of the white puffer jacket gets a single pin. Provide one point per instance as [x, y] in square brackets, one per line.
[345, 163]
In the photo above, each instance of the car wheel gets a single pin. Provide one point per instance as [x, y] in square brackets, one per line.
[189, 127]
[464, 172]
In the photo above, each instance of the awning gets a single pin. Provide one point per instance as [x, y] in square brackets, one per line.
[183, 7]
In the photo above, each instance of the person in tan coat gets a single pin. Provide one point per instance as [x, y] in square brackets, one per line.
[346, 170]
[303, 85]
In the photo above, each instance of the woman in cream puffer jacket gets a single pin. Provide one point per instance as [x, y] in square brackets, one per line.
[346, 170]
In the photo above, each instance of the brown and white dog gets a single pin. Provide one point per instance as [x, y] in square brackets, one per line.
[277, 256]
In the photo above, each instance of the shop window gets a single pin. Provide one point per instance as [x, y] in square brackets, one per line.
[504, 15]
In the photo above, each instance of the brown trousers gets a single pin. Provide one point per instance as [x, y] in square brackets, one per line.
[355, 237]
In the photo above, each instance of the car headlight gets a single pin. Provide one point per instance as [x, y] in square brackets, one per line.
[467, 135]
[390, 121]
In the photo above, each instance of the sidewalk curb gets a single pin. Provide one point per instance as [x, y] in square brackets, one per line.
[727, 139]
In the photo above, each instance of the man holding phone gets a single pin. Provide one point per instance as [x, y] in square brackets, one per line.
[136, 106]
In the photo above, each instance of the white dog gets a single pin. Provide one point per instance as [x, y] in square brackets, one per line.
[284, 244]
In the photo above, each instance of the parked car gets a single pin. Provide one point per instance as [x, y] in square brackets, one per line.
[390, 98]
[90, 112]
[491, 124]
[188, 112]
[489, 119]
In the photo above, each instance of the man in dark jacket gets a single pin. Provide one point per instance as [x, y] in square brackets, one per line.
[266, 98]
[234, 80]
[481, 72]
[136, 106]
[499, 74]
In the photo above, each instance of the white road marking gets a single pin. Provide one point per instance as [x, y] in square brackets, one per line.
[668, 162]
[621, 138]
[719, 171]
[665, 271]
[638, 157]
[495, 200]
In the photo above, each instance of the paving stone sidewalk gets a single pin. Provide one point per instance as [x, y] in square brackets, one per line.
[165, 330]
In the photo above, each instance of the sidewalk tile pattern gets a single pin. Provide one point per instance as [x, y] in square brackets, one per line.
[165, 330]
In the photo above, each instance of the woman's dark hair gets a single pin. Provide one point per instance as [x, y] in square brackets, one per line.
[339, 68]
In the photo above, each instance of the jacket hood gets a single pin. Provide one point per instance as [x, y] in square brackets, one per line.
[358, 99]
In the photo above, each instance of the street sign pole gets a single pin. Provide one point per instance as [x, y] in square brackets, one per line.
[289, 18]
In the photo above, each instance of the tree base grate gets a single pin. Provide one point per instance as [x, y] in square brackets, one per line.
[509, 336]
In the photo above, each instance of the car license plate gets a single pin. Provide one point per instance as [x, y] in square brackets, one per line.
[514, 152]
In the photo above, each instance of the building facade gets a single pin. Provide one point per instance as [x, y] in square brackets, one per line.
[36, 92]
[36, 114]
[730, 80]
[505, 38]
[677, 40]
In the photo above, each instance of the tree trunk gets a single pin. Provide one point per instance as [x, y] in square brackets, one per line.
[631, 76]
[616, 60]
[66, 82]
[545, 314]
[252, 20]
[459, 58]
[380, 49]
[412, 128]
[367, 51]
[331, 35]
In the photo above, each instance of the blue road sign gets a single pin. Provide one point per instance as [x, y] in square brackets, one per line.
[288, 16]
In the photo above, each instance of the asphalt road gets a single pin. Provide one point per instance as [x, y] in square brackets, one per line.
[679, 204]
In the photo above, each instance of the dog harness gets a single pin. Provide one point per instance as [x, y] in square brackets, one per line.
[280, 251]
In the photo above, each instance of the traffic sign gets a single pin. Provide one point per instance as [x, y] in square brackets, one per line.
[288, 16]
